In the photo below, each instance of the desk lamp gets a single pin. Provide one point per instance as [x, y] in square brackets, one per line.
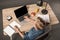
[40, 3]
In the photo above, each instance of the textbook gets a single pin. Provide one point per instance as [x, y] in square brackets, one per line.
[9, 30]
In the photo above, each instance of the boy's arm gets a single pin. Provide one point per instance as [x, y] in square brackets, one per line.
[18, 31]
[31, 21]
[21, 34]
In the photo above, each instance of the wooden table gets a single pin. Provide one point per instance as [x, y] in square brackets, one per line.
[10, 12]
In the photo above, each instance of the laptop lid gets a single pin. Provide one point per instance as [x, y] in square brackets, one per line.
[21, 11]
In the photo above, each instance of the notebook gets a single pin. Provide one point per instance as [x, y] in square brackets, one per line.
[9, 30]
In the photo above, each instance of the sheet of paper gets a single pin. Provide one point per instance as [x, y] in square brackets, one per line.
[9, 31]
[44, 17]
[14, 23]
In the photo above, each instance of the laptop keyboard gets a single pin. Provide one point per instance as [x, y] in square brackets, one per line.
[22, 17]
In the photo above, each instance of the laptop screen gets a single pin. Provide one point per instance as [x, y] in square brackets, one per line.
[21, 11]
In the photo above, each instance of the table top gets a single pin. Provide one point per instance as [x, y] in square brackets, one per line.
[10, 12]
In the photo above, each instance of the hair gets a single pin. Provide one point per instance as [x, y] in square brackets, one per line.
[39, 23]
[41, 20]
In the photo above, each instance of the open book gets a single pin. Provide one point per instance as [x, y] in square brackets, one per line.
[46, 17]
[9, 30]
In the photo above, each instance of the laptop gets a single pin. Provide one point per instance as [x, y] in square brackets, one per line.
[21, 12]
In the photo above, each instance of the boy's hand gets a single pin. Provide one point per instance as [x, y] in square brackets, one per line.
[26, 17]
[16, 29]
